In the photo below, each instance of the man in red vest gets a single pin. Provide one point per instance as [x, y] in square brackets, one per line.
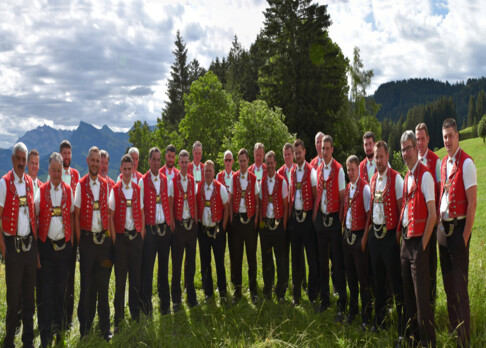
[327, 217]
[416, 222]
[244, 211]
[33, 167]
[383, 237]
[288, 156]
[169, 169]
[213, 213]
[258, 168]
[18, 244]
[303, 181]
[196, 168]
[457, 210]
[367, 166]
[274, 214]
[105, 162]
[128, 227]
[226, 176]
[54, 206]
[158, 239]
[356, 208]
[183, 223]
[92, 226]
[316, 161]
[136, 175]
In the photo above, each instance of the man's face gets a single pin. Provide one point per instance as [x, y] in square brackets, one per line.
[104, 166]
[381, 158]
[409, 153]
[243, 163]
[33, 165]
[327, 150]
[55, 172]
[66, 157]
[154, 162]
[288, 156]
[368, 145]
[19, 159]
[259, 155]
[422, 141]
[126, 170]
[228, 162]
[270, 162]
[134, 157]
[169, 159]
[183, 164]
[353, 171]
[197, 154]
[299, 153]
[208, 174]
[319, 145]
[94, 160]
[451, 140]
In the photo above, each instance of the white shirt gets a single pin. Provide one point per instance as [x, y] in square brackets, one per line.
[271, 185]
[128, 192]
[35, 183]
[23, 222]
[196, 172]
[378, 208]
[326, 170]
[134, 178]
[186, 213]
[298, 202]
[208, 192]
[244, 185]
[428, 189]
[370, 167]
[66, 176]
[319, 161]
[56, 227]
[228, 179]
[159, 212]
[469, 178]
[423, 159]
[169, 173]
[96, 224]
[287, 172]
[258, 171]
[366, 202]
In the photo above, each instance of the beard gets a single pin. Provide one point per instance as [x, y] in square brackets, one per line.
[66, 163]
[92, 173]
[370, 155]
[169, 165]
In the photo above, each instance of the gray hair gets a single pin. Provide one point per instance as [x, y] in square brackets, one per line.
[228, 152]
[133, 150]
[55, 157]
[197, 144]
[105, 154]
[409, 135]
[19, 147]
[183, 153]
[319, 134]
[270, 154]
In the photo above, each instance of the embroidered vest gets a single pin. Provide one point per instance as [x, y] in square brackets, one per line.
[215, 201]
[275, 198]
[45, 211]
[331, 185]
[150, 198]
[180, 196]
[389, 198]
[306, 186]
[358, 213]
[250, 198]
[264, 169]
[121, 207]
[87, 200]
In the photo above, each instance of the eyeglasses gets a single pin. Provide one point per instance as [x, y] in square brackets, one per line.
[406, 149]
[227, 159]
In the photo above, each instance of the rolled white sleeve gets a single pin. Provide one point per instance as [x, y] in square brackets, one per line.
[313, 177]
[3, 192]
[170, 189]
[77, 196]
[112, 203]
[224, 194]
[469, 174]
[428, 187]
[399, 186]
[366, 197]
[37, 202]
[341, 179]
[285, 189]
[437, 170]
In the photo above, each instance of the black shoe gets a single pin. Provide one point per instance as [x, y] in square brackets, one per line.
[165, 311]
[193, 304]
[339, 318]
[107, 336]
[254, 299]
[223, 300]
[176, 307]
[296, 302]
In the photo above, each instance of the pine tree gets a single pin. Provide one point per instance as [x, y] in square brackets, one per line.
[481, 105]
[471, 113]
[195, 71]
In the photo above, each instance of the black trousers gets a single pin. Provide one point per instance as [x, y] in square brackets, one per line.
[454, 262]
[95, 270]
[69, 298]
[356, 263]
[433, 268]
[385, 263]
[416, 282]
[154, 245]
[302, 233]
[218, 245]
[243, 236]
[329, 241]
[184, 240]
[273, 243]
[128, 261]
[53, 276]
[20, 278]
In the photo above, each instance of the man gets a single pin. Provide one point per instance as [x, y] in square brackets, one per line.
[196, 168]
[274, 198]
[303, 181]
[432, 162]
[416, 223]
[288, 156]
[168, 169]
[213, 213]
[226, 176]
[367, 166]
[183, 223]
[457, 210]
[18, 244]
[92, 226]
[258, 168]
[33, 167]
[316, 161]
[383, 237]
[54, 206]
[243, 218]
[158, 239]
[128, 230]
[105, 162]
[356, 208]
[136, 175]
[327, 216]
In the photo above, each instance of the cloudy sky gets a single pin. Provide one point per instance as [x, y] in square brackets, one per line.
[106, 62]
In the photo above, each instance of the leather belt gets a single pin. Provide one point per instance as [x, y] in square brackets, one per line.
[22, 243]
[380, 231]
[300, 215]
[157, 229]
[272, 224]
[98, 237]
[131, 235]
[350, 236]
[58, 245]
[187, 223]
[211, 232]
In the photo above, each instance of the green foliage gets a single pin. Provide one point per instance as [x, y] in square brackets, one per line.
[164, 135]
[396, 162]
[471, 113]
[482, 128]
[142, 138]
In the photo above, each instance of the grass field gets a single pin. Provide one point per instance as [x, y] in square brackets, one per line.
[272, 324]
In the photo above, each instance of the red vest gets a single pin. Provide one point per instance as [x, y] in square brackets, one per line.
[432, 159]
[221, 177]
[415, 200]
[150, 198]
[250, 198]
[283, 172]
[39, 183]
[45, 211]
[306, 186]
[110, 182]
[358, 213]
[276, 196]
[331, 184]
[74, 178]
[87, 199]
[190, 169]
[390, 206]
[121, 207]
[138, 174]
[163, 170]
[363, 171]
[216, 201]
[457, 192]
[264, 168]
[179, 196]
[10, 217]
[315, 162]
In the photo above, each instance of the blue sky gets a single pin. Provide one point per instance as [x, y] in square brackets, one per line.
[107, 62]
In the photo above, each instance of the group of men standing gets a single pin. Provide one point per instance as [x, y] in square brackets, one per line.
[378, 232]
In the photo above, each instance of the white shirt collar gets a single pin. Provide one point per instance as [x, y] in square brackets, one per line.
[370, 163]
[258, 168]
[273, 177]
[17, 178]
[425, 154]
[353, 184]
[327, 164]
[384, 174]
[230, 174]
[414, 167]
[301, 168]
[153, 176]
[454, 157]
[206, 185]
